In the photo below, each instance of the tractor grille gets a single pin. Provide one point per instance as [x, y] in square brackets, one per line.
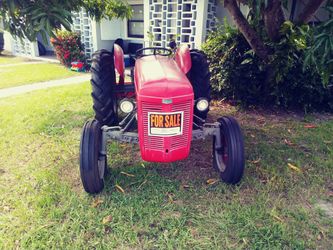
[176, 142]
[153, 142]
[180, 141]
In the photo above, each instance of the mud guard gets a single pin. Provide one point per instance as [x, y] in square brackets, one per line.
[119, 62]
[183, 58]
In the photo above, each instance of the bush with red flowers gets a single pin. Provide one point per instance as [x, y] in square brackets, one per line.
[68, 47]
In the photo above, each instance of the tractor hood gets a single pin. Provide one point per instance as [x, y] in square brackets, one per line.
[160, 77]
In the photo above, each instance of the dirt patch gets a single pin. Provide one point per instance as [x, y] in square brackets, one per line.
[69, 173]
[170, 214]
[198, 166]
[219, 108]
[326, 207]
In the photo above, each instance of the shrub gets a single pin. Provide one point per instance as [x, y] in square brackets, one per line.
[320, 53]
[236, 71]
[238, 74]
[68, 47]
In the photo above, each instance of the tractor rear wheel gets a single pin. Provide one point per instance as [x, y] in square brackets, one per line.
[92, 162]
[103, 78]
[229, 158]
[199, 77]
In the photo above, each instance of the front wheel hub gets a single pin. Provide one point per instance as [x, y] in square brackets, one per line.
[221, 154]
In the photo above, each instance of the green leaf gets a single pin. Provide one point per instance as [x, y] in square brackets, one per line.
[329, 22]
[11, 5]
[38, 16]
[320, 35]
[306, 61]
[318, 44]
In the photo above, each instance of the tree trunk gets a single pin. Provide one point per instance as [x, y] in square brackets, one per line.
[250, 34]
[309, 10]
[273, 19]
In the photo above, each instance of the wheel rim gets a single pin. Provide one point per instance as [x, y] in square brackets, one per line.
[221, 155]
[101, 166]
[101, 163]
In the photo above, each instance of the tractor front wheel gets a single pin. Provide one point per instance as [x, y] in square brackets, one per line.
[228, 157]
[92, 161]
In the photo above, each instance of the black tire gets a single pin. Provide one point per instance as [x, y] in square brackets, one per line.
[103, 78]
[199, 77]
[90, 146]
[2, 42]
[229, 159]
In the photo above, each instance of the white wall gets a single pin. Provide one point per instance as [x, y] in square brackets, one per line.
[82, 23]
[107, 31]
[8, 41]
[201, 23]
[98, 43]
[20, 47]
[222, 13]
[111, 30]
[146, 22]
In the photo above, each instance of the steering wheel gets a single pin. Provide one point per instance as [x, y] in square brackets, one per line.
[155, 51]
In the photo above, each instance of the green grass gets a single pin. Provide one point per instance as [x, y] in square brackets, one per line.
[42, 203]
[8, 59]
[31, 73]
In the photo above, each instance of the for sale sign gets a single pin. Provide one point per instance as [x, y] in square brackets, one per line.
[165, 124]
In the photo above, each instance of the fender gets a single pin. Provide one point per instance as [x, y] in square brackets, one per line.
[119, 62]
[183, 58]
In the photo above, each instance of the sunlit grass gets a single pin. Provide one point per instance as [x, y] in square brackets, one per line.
[42, 203]
[31, 73]
[7, 59]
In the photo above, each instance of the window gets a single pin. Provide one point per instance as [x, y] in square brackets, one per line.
[135, 27]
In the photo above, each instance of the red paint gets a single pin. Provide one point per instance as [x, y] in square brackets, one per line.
[183, 58]
[77, 64]
[119, 62]
[159, 78]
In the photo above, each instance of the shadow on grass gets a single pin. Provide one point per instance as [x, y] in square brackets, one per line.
[163, 205]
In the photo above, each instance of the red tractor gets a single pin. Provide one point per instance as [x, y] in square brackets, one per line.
[163, 109]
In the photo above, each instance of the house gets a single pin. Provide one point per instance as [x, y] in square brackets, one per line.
[154, 23]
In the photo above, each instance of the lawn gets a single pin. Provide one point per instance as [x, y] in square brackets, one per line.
[8, 59]
[168, 206]
[31, 73]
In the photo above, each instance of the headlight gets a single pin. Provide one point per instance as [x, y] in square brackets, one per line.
[126, 106]
[202, 105]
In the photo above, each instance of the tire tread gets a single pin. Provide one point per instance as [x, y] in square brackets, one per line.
[102, 81]
[236, 160]
[199, 76]
[89, 149]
